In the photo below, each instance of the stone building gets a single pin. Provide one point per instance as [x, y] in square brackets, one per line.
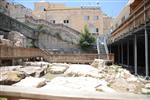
[75, 18]
[14, 10]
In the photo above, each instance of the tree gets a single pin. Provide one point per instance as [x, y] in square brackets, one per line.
[86, 39]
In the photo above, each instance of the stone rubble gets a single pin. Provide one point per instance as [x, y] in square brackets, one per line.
[6, 42]
[39, 63]
[82, 70]
[18, 39]
[146, 89]
[58, 68]
[120, 79]
[12, 74]
[10, 77]
[77, 83]
[97, 77]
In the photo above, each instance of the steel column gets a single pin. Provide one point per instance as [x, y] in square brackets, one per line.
[135, 54]
[146, 44]
[146, 53]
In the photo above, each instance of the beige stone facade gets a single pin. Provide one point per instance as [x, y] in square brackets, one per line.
[124, 14]
[76, 18]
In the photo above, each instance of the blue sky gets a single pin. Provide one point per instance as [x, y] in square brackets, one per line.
[110, 7]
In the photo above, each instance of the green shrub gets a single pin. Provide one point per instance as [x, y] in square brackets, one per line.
[86, 39]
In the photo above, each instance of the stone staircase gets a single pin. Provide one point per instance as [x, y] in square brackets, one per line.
[55, 28]
[9, 24]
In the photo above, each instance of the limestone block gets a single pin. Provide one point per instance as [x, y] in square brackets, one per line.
[82, 70]
[145, 91]
[18, 38]
[31, 82]
[74, 83]
[147, 85]
[10, 77]
[6, 42]
[105, 89]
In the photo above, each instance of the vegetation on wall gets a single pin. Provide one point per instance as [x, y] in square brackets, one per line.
[86, 41]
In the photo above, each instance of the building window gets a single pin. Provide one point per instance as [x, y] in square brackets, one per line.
[97, 30]
[66, 21]
[42, 8]
[86, 18]
[123, 19]
[96, 17]
[6, 6]
[53, 21]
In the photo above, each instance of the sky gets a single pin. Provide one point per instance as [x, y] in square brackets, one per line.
[110, 7]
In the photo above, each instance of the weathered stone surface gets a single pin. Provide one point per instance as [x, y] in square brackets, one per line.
[105, 89]
[39, 63]
[31, 82]
[6, 42]
[33, 71]
[147, 85]
[10, 68]
[98, 63]
[75, 83]
[132, 78]
[101, 64]
[145, 91]
[11, 77]
[18, 38]
[58, 68]
[82, 70]
[121, 85]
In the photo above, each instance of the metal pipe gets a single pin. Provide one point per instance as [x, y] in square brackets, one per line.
[135, 54]
[146, 44]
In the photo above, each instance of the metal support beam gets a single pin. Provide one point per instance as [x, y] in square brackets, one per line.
[146, 53]
[122, 53]
[146, 44]
[128, 53]
[135, 54]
